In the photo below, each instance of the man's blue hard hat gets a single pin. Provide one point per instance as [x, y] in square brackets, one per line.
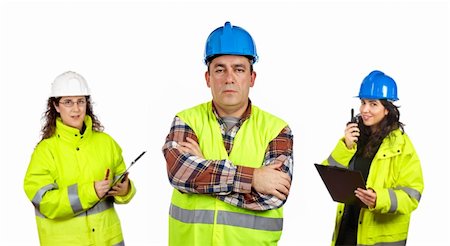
[230, 40]
[378, 85]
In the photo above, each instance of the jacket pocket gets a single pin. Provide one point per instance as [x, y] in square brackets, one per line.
[388, 232]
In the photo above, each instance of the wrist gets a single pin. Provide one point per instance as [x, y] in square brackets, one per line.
[244, 179]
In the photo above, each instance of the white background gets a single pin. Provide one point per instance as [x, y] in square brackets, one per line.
[143, 62]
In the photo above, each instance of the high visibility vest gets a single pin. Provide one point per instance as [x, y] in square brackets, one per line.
[396, 177]
[60, 184]
[201, 219]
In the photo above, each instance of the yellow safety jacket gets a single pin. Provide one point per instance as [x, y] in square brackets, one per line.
[60, 184]
[201, 219]
[396, 177]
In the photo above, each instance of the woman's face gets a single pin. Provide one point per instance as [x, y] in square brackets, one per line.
[72, 110]
[372, 112]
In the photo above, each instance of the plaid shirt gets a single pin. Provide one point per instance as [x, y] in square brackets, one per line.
[223, 179]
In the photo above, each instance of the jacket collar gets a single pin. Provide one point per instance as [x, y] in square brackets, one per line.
[392, 144]
[71, 134]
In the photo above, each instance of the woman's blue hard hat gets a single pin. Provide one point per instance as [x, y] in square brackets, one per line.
[378, 85]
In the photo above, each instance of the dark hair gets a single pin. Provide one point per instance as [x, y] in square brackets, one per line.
[369, 142]
[51, 115]
[250, 59]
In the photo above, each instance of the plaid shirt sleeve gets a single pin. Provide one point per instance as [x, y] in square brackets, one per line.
[281, 145]
[192, 174]
[221, 178]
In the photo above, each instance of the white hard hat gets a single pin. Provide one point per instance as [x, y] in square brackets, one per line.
[69, 84]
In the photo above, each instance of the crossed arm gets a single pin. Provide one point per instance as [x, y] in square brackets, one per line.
[261, 188]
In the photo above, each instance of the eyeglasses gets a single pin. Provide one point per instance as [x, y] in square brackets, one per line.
[69, 103]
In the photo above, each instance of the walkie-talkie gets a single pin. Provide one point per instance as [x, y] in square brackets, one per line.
[353, 118]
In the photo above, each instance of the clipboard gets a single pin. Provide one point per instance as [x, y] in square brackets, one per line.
[119, 179]
[341, 183]
[122, 175]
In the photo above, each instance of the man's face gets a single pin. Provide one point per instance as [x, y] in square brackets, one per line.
[230, 79]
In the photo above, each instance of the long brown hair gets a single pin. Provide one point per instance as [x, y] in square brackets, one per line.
[369, 142]
[51, 115]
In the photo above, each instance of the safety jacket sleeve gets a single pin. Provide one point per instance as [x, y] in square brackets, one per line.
[51, 199]
[127, 198]
[341, 155]
[404, 196]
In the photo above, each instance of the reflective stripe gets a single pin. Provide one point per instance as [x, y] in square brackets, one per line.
[120, 244]
[334, 163]
[74, 200]
[249, 221]
[394, 202]
[192, 216]
[38, 213]
[226, 218]
[411, 192]
[399, 243]
[100, 207]
[40, 194]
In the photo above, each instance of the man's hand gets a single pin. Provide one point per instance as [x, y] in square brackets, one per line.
[191, 147]
[271, 180]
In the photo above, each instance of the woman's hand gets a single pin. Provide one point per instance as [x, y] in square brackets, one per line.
[351, 135]
[101, 187]
[368, 197]
[121, 188]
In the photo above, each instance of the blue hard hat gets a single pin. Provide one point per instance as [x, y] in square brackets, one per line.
[230, 40]
[378, 85]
